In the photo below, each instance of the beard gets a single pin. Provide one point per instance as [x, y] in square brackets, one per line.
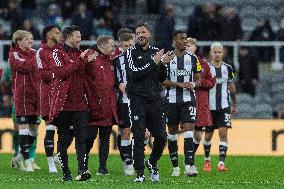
[143, 41]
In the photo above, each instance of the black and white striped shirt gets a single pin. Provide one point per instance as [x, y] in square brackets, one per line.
[120, 71]
[182, 69]
[219, 95]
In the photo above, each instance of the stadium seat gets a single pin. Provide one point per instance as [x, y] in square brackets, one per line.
[263, 108]
[262, 98]
[244, 98]
[245, 115]
[263, 115]
[248, 11]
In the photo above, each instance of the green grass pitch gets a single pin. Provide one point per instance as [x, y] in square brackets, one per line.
[245, 172]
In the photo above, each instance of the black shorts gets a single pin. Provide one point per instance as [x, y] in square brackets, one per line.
[221, 118]
[123, 115]
[33, 120]
[184, 112]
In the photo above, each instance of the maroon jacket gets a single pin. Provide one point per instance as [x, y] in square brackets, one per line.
[207, 82]
[102, 94]
[24, 81]
[69, 89]
[44, 58]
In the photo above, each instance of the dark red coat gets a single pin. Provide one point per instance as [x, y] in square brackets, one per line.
[69, 89]
[101, 82]
[44, 59]
[24, 81]
[202, 94]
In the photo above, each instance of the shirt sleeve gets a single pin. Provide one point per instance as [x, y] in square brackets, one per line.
[231, 75]
[196, 65]
[20, 64]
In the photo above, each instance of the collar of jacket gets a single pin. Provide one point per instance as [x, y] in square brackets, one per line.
[67, 48]
[139, 47]
[25, 52]
[95, 47]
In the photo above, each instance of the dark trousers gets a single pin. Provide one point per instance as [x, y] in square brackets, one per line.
[104, 136]
[147, 114]
[79, 121]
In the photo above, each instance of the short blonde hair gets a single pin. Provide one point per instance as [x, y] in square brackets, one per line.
[192, 41]
[19, 35]
[216, 45]
[104, 39]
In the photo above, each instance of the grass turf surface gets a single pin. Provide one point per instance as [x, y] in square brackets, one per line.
[245, 172]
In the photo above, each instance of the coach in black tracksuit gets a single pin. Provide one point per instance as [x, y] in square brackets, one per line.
[145, 72]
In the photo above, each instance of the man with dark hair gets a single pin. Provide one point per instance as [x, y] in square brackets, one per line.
[69, 105]
[145, 71]
[183, 70]
[103, 110]
[51, 37]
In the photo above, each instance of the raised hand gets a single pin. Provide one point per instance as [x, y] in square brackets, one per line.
[158, 56]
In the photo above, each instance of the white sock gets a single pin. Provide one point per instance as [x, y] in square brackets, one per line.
[50, 161]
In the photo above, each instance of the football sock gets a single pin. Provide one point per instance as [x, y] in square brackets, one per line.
[188, 148]
[222, 151]
[49, 140]
[16, 144]
[24, 142]
[173, 149]
[207, 148]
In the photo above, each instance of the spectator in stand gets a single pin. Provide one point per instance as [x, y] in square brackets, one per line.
[84, 19]
[28, 7]
[67, 8]
[53, 16]
[3, 34]
[104, 5]
[130, 6]
[248, 73]
[112, 22]
[164, 28]
[263, 32]
[280, 37]
[94, 6]
[27, 25]
[102, 29]
[232, 29]
[154, 7]
[193, 22]
[13, 14]
[210, 25]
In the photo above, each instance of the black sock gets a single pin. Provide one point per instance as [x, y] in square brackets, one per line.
[129, 151]
[195, 147]
[207, 148]
[188, 151]
[222, 151]
[24, 145]
[118, 142]
[125, 149]
[173, 150]
[188, 148]
[49, 143]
